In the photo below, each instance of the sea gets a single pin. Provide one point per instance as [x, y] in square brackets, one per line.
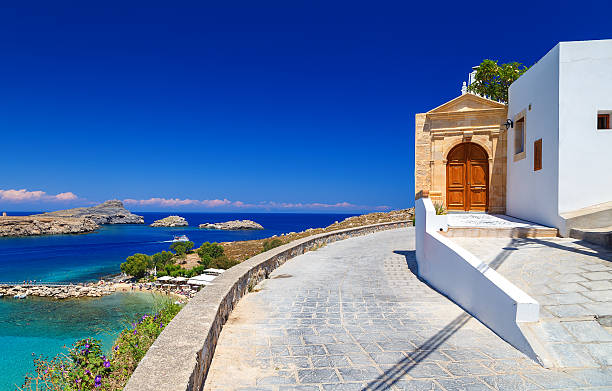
[40, 326]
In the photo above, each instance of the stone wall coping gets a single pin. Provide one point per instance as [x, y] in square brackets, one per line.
[180, 357]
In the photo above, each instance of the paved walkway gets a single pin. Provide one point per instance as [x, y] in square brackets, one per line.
[352, 316]
[572, 281]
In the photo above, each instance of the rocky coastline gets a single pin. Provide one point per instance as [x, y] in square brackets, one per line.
[58, 291]
[108, 212]
[170, 221]
[233, 225]
[40, 225]
[69, 221]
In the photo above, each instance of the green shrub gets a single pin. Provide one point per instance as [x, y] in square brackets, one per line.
[270, 244]
[440, 209]
[223, 263]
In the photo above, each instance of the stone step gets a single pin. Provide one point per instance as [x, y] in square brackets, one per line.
[600, 236]
[501, 232]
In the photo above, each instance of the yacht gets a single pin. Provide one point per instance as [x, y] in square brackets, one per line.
[180, 238]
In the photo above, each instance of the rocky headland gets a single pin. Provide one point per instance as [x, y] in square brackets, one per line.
[232, 225]
[170, 221]
[41, 225]
[108, 212]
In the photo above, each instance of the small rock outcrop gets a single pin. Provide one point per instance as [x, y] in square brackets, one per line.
[58, 292]
[170, 221]
[40, 225]
[232, 225]
[109, 212]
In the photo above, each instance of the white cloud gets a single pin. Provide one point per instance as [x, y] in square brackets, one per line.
[23, 195]
[266, 205]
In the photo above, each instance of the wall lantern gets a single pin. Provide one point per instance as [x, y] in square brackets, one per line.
[509, 124]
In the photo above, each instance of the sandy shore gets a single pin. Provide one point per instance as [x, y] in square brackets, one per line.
[138, 287]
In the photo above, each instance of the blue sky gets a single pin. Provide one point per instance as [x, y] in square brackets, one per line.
[216, 106]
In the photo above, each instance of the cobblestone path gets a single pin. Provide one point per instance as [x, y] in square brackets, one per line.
[572, 281]
[352, 316]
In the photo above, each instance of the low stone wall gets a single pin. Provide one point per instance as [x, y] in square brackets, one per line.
[180, 357]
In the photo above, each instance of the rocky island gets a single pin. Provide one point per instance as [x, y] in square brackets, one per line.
[108, 212]
[69, 221]
[232, 225]
[170, 221]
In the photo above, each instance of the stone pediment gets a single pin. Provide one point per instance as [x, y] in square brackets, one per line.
[467, 102]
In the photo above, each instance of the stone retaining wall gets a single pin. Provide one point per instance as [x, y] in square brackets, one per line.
[180, 357]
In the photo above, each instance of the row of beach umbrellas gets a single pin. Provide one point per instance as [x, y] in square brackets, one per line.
[201, 280]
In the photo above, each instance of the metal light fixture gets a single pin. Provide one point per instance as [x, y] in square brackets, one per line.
[509, 124]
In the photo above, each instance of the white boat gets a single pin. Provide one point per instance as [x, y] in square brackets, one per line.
[20, 296]
[180, 238]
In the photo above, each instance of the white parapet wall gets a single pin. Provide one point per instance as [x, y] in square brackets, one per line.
[471, 283]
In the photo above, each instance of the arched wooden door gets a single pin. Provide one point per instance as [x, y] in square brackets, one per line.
[467, 178]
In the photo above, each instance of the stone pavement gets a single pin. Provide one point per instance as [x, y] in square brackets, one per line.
[352, 316]
[572, 281]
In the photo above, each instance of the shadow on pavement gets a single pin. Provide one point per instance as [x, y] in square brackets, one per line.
[394, 374]
[416, 356]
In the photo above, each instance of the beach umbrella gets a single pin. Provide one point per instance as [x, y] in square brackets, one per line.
[204, 277]
[198, 282]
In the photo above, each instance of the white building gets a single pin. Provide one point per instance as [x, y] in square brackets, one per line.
[559, 166]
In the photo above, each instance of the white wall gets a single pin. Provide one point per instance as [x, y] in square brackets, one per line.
[585, 153]
[469, 282]
[532, 195]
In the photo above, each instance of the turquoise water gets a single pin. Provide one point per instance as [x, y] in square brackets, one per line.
[44, 326]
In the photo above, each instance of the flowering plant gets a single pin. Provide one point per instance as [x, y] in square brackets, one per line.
[86, 367]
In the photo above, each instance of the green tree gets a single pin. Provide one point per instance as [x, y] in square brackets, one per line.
[161, 259]
[213, 255]
[181, 248]
[212, 249]
[136, 265]
[493, 80]
[209, 252]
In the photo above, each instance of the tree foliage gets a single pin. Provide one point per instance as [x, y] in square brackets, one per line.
[136, 265]
[181, 248]
[162, 259]
[493, 80]
[177, 271]
[212, 255]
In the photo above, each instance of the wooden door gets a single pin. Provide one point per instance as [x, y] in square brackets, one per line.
[467, 178]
